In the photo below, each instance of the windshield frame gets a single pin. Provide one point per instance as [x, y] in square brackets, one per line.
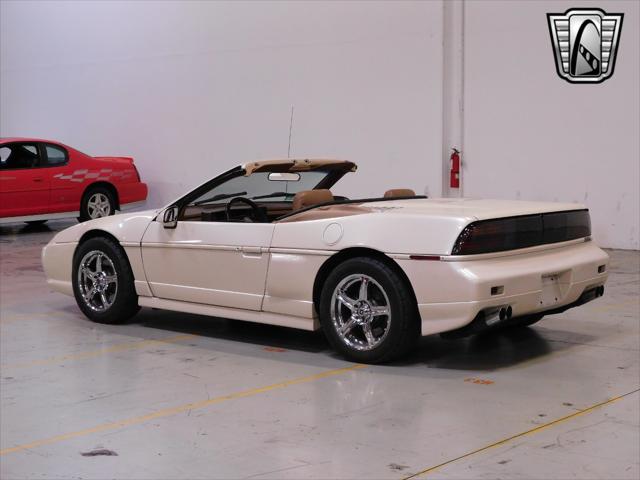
[331, 178]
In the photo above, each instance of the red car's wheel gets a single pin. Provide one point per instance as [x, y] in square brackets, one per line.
[97, 202]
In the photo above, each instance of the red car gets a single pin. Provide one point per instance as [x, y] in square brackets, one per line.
[42, 180]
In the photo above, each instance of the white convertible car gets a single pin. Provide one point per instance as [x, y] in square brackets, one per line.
[268, 242]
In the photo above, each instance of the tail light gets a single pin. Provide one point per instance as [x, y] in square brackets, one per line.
[512, 233]
[562, 226]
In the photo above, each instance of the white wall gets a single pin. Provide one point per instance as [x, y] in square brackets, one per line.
[529, 134]
[193, 88]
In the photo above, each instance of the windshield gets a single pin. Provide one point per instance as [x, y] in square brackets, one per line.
[263, 186]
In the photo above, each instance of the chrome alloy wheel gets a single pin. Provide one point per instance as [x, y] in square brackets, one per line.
[98, 205]
[361, 312]
[98, 281]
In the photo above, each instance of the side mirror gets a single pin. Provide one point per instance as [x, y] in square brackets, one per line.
[170, 217]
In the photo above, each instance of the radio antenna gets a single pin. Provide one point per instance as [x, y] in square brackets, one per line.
[290, 129]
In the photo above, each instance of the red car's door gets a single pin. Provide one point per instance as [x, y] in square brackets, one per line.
[65, 189]
[24, 186]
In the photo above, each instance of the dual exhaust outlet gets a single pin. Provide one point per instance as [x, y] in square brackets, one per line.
[505, 313]
[490, 316]
[501, 313]
[497, 314]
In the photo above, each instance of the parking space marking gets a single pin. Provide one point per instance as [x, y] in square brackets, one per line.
[179, 409]
[522, 434]
[96, 353]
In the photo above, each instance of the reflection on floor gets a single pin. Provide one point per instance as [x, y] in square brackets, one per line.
[181, 396]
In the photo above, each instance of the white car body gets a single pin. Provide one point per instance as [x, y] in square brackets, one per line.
[269, 272]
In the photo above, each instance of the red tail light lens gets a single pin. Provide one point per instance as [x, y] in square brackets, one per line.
[512, 233]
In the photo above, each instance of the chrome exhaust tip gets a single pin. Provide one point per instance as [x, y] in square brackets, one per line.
[485, 319]
[505, 313]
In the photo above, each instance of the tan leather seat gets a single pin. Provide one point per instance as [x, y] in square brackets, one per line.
[399, 192]
[307, 198]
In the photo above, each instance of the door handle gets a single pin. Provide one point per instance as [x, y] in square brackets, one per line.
[251, 251]
[39, 179]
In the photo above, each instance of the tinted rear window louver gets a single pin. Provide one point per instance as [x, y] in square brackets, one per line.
[499, 235]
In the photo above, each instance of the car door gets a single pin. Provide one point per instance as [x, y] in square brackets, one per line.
[65, 189]
[214, 263]
[217, 252]
[24, 186]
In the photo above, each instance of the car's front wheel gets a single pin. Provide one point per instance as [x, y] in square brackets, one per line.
[367, 311]
[103, 282]
[97, 202]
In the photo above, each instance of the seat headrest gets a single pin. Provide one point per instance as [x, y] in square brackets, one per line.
[307, 198]
[399, 192]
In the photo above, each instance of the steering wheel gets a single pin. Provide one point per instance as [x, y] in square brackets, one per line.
[257, 215]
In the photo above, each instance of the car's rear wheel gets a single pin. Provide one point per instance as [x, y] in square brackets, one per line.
[97, 202]
[103, 282]
[367, 311]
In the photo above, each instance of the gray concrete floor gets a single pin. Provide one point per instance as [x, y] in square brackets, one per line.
[183, 396]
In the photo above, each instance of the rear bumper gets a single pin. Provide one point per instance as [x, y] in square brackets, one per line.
[450, 294]
[132, 193]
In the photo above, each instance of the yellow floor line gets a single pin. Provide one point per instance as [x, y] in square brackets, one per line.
[179, 409]
[96, 353]
[521, 434]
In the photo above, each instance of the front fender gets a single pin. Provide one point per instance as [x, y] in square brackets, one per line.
[127, 229]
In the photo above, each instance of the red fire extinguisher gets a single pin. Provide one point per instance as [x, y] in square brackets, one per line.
[455, 169]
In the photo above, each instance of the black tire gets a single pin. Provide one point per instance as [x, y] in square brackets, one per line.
[122, 296]
[95, 193]
[402, 327]
[35, 223]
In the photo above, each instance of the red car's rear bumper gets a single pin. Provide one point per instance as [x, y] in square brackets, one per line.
[132, 193]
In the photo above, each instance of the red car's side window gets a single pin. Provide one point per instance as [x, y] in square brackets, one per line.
[56, 156]
[16, 156]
